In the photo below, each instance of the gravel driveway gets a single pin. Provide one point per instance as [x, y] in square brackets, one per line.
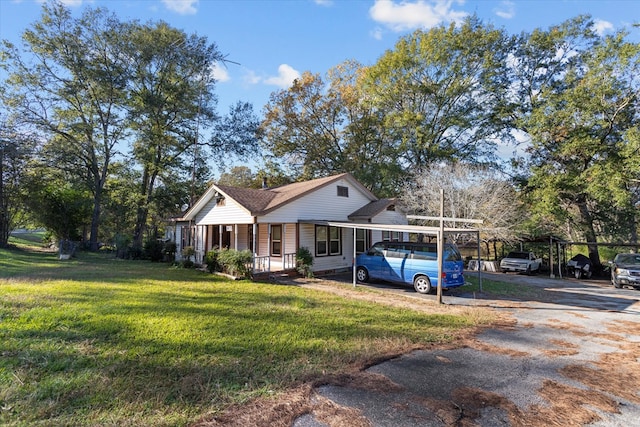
[572, 357]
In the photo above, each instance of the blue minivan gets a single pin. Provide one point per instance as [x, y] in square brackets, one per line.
[411, 263]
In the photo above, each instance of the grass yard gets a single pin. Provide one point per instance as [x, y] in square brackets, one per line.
[100, 341]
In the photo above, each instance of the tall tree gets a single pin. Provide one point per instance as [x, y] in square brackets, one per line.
[16, 149]
[71, 86]
[322, 127]
[172, 104]
[471, 192]
[439, 91]
[580, 101]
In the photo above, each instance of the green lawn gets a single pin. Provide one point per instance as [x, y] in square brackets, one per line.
[100, 341]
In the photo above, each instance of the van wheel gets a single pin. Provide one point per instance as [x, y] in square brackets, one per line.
[422, 284]
[362, 274]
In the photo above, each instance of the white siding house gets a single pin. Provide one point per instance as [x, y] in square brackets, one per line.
[275, 222]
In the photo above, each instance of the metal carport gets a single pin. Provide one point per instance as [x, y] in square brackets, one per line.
[420, 229]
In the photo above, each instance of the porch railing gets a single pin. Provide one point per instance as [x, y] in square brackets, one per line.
[261, 264]
[267, 263]
[289, 261]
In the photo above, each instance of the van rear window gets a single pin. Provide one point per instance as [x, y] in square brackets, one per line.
[428, 252]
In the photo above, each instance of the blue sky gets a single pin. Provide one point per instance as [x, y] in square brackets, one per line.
[274, 41]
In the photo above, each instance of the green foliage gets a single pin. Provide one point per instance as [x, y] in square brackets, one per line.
[169, 250]
[304, 262]
[16, 149]
[578, 118]
[121, 243]
[211, 259]
[59, 207]
[188, 251]
[153, 250]
[236, 263]
[439, 93]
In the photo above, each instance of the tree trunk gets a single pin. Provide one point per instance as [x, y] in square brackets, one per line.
[4, 217]
[633, 226]
[588, 232]
[148, 182]
[95, 220]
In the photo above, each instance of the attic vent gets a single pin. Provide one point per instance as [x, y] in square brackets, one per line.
[343, 191]
[391, 208]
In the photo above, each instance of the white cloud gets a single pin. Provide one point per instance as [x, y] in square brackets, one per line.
[220, 73]
[324, 2]
[286, 75]
[183, 7]
[410, 15]
[376, 33]
[507, 10]
[251, 78]
[601, 27]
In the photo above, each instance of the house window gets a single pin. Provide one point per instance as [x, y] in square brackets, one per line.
[328, 240]
[276, 240]
[391, 208]
[391, 236]
[250, 237]
[187, 233]
[362, 241]
[343, 191]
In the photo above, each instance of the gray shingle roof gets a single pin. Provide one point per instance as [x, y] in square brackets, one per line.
[262, 201]
[372, 209]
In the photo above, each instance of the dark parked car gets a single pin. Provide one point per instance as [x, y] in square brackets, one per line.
[580, 266]
[625, 270]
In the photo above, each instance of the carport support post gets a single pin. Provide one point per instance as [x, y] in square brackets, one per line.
[479, 263]
[353, 260]
[440, 247]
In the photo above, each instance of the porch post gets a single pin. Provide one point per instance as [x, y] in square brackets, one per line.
[282, 244]
[255, 249]
[479, 262]
[220, 231]
[353, 260]
[269, 248]
[235, 239]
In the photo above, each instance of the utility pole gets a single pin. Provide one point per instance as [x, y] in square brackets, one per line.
[440, 245]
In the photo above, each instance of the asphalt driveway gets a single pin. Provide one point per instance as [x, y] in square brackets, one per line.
[572, 357]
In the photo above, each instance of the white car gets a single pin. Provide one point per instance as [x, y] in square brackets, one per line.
[520, 262]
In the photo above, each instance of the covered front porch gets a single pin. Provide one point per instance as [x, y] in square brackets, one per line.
[273, 246]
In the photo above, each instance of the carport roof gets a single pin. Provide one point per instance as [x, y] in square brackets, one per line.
[393, 227]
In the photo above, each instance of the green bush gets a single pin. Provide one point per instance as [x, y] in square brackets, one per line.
[211, 259]
[169, 250]
[304, 262]
[153, 250]
[121, 242]
[134, 252]
[188, 252]
[236, 263]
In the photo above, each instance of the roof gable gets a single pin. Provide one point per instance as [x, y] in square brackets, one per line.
[258, 202]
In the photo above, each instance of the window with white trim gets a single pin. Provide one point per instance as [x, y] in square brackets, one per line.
[276, 240]
[391, 236]
[362, 240]
[328, 240]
